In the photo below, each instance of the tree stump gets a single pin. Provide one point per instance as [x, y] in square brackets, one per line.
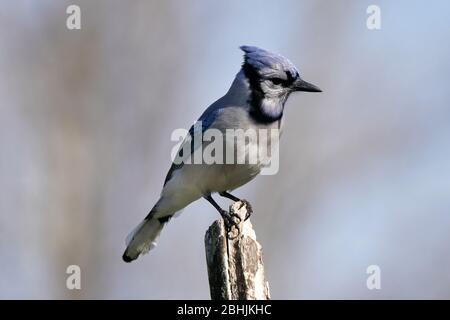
[234, 260]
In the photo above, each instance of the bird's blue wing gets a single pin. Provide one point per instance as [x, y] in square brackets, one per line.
[206, 120]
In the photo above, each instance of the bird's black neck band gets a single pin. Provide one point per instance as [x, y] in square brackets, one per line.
[256, 99]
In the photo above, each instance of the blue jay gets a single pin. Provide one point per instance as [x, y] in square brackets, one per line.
[255, 100]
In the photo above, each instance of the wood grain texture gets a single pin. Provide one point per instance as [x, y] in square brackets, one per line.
[235, 260]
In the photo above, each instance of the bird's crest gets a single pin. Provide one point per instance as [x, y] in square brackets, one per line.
[268, 64]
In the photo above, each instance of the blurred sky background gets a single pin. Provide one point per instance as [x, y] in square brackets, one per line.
[85, 123]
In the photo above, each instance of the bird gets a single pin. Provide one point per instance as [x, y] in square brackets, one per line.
[255, 100]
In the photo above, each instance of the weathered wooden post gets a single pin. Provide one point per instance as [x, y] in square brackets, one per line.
[234, 260]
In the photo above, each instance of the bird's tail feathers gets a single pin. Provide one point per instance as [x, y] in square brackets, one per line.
[143, 238]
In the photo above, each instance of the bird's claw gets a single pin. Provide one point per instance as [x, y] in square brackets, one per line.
[232, 222]
[248, 207]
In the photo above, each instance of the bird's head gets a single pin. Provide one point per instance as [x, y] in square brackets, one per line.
[271, 78]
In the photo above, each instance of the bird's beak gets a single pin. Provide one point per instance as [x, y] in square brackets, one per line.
[301, 85]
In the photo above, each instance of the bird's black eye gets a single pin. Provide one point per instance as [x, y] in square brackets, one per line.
[277, 81]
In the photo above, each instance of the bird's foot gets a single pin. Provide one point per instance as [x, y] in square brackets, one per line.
[248, 207]
[232, 222]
